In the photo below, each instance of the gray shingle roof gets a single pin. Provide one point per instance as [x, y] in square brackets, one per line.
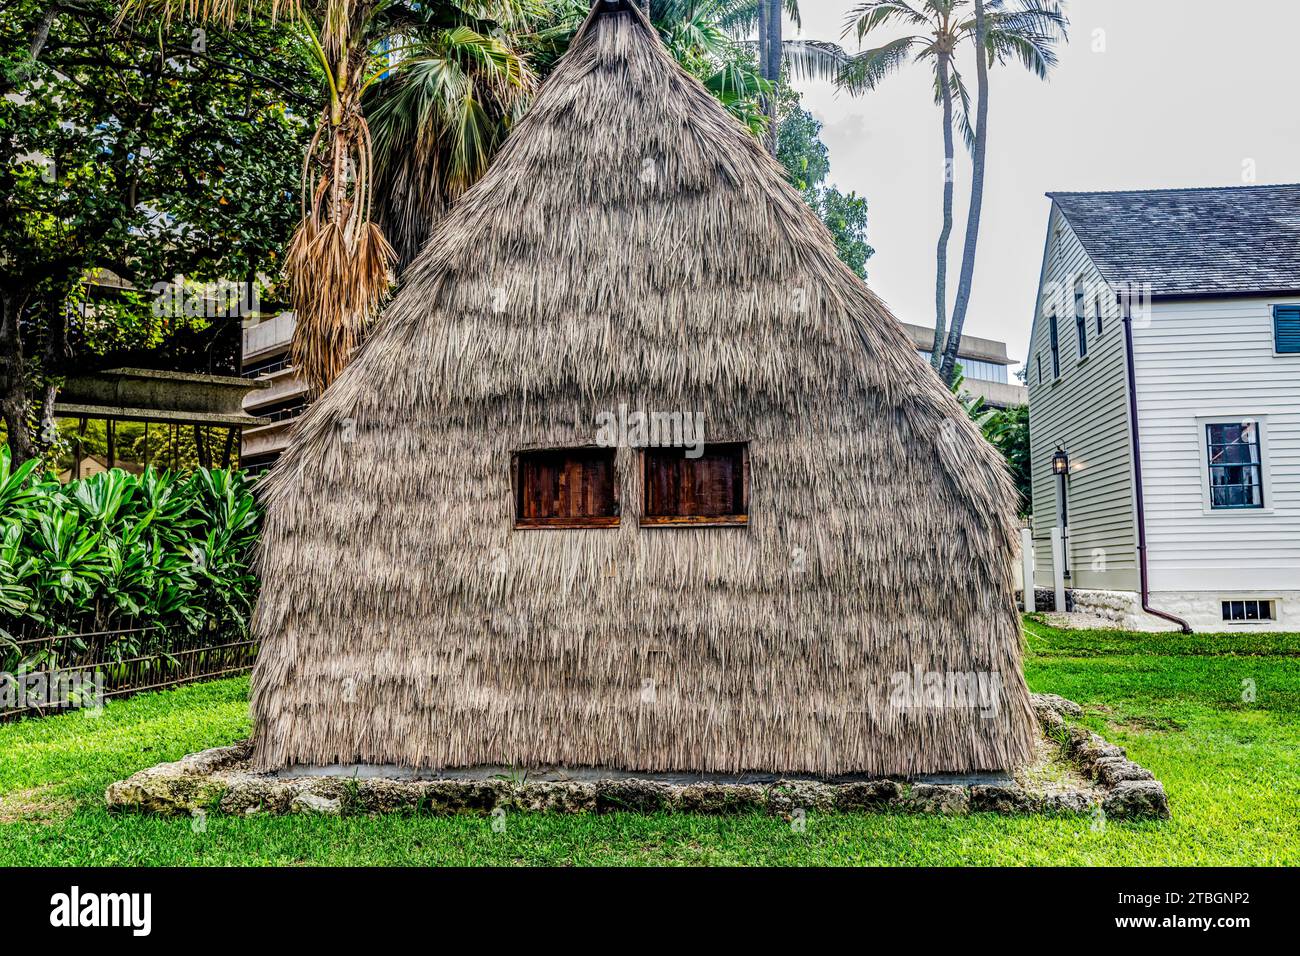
[1238, 239]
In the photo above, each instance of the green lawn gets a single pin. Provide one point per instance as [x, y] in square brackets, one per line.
[1231, 767]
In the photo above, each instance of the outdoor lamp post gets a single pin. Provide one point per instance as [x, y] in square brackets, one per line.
[1061, 469]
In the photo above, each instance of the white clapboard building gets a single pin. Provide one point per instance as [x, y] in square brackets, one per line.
[1164, 382]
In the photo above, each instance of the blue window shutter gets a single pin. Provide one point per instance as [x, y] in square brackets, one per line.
[1286, 328]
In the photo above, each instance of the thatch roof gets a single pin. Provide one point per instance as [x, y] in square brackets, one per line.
[633, 244]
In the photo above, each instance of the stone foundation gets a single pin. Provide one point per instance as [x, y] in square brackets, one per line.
[1044, 600]
[1119, 608]
[1077, 772]
[1204, 609]
[1201, 609]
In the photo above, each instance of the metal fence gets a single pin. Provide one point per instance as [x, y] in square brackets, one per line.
[65, 671]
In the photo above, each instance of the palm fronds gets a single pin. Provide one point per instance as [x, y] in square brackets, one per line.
[632, 243]
[863, 19]
[960, 97]
[1027, 31]
[814, 59]
[866, 70]
[224, 12]
[438, 118]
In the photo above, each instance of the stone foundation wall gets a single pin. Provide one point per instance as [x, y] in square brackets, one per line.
[1045, 600]
[1204, 611]
[1119, 607]
[1093, 777]
[1201, 609]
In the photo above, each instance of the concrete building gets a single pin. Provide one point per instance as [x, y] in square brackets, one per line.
[266, 356]
[984, 363]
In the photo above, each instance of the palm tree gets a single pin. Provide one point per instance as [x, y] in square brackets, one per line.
[948, 356]
[704, 36]
[1027, 31]
[426, 90]
[441, 115]
[686, 19]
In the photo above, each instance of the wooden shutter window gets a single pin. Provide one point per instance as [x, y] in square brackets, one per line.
[710, 490]
[566, 488]
[1286, 329]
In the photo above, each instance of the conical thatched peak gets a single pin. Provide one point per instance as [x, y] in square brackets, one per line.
[633, 247]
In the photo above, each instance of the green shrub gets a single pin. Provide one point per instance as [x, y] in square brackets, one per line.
[115, 551]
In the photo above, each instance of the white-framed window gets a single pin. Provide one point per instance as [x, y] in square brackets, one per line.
[1054, 342]
[1080, 318]
[1248, 609]
[1234, 464]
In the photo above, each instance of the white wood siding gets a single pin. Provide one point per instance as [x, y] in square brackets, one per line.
[1086, 409]
[1205, 359]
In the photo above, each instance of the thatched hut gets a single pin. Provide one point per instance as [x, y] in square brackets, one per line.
[459, 570]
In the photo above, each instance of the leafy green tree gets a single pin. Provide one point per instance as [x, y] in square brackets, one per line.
[845, 215]
[799, 146]
[1015, 448]
[131, 154]
[1007, 430]
[807, 165]
[416, 93]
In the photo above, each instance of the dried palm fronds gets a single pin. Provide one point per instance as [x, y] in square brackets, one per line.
[224, 12]
[633, 244]
[338, 261]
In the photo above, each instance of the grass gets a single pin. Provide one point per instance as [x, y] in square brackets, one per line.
[1231, 767]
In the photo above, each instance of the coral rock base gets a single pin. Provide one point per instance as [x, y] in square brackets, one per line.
[1078, 772]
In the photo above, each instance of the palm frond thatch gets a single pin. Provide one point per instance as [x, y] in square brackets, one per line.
[632, 244]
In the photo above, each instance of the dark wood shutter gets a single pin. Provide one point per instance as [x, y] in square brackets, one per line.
[1286, 329]
[710, 490]
[566, 488]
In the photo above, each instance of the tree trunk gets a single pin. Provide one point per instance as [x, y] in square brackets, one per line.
[941, 253]
[976, 200]
[40, 35]
[771, 66]
[15, 403]
[201, 448]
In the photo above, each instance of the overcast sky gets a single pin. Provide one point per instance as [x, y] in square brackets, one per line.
[1148, 93]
